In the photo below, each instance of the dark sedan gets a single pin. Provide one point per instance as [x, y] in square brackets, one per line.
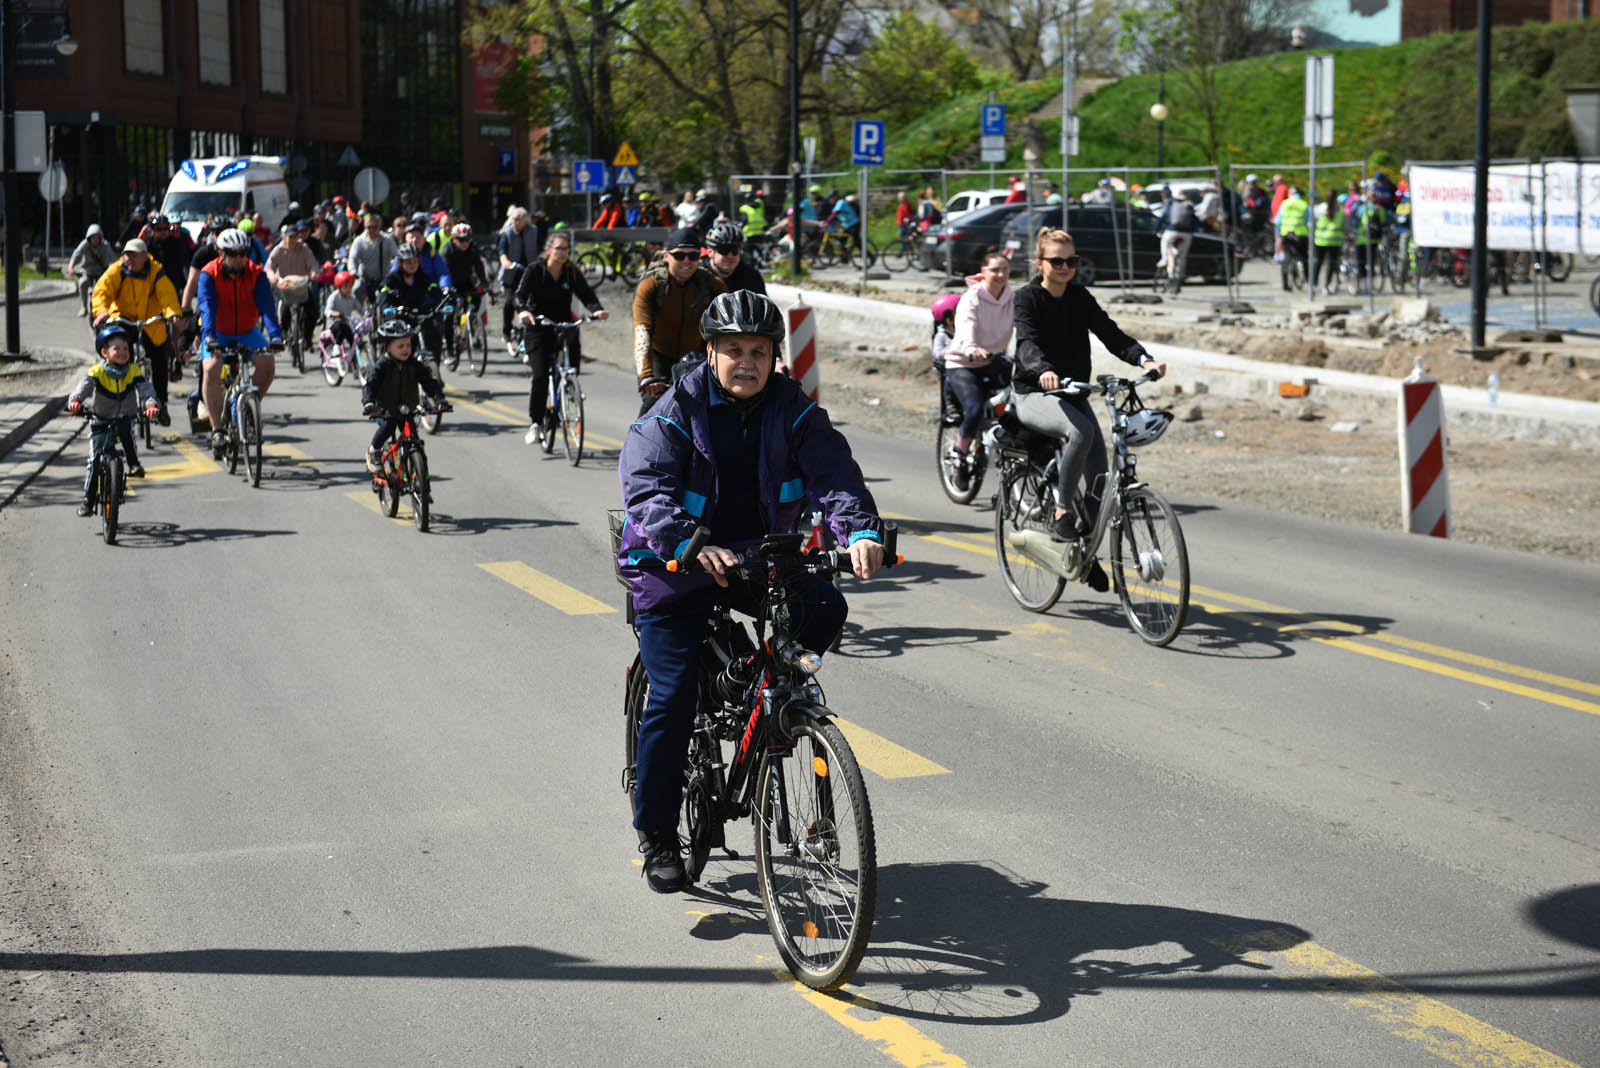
[970, 237]
[1091, 227]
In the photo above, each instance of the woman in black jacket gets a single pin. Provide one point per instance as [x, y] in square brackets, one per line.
[1054, 316]
[546, 291]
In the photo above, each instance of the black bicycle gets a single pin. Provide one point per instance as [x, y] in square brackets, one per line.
[944, 442]
[764, 745]
[108, 483]
[564, 400]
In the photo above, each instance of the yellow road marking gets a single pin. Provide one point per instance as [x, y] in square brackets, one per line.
[369, 500]
[883, 757]
[553, 592]
[483, 409]
[1350, 645]
[893, 1036]
[284, 451]
[1438, 1028]
[196, 461]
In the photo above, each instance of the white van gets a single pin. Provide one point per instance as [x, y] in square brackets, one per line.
[206, 187]
[970, 200]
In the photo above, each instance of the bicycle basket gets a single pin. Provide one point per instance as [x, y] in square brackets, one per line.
[294, 288]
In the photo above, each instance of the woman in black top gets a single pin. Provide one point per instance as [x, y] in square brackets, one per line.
[546, 290]
[1054, 316]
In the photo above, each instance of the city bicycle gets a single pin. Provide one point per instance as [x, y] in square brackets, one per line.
[295, 313]
[564, 403]
[1149, 562]
[403, 467]
[241, 413]
[764, 746]
[341, 358]
[108, 483]
[944, 442]
[614, 260]
[902, 252]
[472, 334]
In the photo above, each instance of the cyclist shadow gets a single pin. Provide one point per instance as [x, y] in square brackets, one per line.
[171, 536]
[859, 643]
[1267, 635]
[973, 943]
[902, 577]
[447, 525]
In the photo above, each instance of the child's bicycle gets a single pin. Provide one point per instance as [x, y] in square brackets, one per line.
[108, 483]
[472, 333]
[403, 467]
[1149, 563]
[340, 358]
[764, 746]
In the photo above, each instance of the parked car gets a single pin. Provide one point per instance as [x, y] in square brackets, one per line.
[970, 200]
[1091, 227]
[970, 237]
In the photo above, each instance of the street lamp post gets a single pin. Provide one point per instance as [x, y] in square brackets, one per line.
[794, 140]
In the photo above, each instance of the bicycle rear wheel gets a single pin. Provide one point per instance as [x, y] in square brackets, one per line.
[897, 257]
[1020, 508]
[944, 444]
[478, 352]
[593, 266]
[388, 480]
[419, 487]
[110, 498]
[816, 859]
[250, 436]
[333, 367]
[571, 419]
[1150, 566]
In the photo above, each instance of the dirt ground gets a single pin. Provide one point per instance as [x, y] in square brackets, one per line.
[1283, 455]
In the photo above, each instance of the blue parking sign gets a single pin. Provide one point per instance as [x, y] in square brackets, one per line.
[589, 176]
[992, 121]
[505, 161]
[867, 145]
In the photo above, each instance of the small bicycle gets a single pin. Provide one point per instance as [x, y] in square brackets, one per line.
[403, 468]
[340, 358]
[764, 746]
[944, 443]
[141, 353]
[108, 484]
[472, 333]
[565, 398]
[1149, 563]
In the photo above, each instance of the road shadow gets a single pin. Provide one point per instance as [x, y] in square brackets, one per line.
[448, 525]
[138, 535]
[903, 576]
[879, 643]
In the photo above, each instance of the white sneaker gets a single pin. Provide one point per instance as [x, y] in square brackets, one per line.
[532, 435]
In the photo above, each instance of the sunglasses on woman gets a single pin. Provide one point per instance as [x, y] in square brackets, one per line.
[1059, 262]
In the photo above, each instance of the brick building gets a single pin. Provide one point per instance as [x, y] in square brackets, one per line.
[1418, 18]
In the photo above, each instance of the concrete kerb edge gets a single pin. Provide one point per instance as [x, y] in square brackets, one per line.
[1547, 420]
[45, 290]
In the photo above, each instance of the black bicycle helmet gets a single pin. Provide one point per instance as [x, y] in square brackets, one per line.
[743, 312]
[390, 329]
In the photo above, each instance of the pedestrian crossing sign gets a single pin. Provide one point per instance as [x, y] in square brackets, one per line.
[625, 157]
[626, 175]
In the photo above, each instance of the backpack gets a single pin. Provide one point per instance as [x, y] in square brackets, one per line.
[1182, 215]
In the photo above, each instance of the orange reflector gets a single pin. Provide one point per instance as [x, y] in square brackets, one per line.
[809, 928]
[820, 766]
[1293, 389]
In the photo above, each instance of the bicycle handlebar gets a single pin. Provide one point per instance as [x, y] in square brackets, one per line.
[1106, 384]
[779, 549]
[540, 320]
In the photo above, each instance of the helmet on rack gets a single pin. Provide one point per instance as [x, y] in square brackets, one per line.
[233, 241]
[110, 332]
[944, 305]
[1147, 424]
[462, 230]
[391, 329]
[724, 234]
[743, 312]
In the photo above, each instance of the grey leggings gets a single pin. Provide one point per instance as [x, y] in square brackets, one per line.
[1072, 422]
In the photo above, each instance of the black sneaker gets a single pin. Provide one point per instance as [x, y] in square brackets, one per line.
[85, 508]
[663, 862]
[163, 418]
[961, 472]
[135, 470]
[219, 441]
[1096, 577]
[1066, 528]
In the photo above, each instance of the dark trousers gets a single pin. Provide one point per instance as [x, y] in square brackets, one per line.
[544, 349]
[1328, 264]
[971, 387]
[100, 432]
[508, 306]
[160, 366]
[669, 644]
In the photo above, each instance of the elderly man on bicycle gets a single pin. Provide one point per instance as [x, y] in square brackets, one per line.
[738, 450]
[235, 302]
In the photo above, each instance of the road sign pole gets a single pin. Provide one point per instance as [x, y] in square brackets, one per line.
[861, 212]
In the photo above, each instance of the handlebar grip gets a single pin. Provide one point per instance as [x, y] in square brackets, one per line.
[891, 540]
[691, 549]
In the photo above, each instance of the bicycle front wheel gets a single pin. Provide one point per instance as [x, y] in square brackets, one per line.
[111, 484]
[419, 487]
[333, 367]
[250, 436]
[897, 257]
[571, 419]
[1021, 510]
[478, 347]
[816, 860]
[1150, 566]
[593, 266]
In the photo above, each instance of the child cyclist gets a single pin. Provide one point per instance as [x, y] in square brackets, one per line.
[394, 382]
[342, 308]
[113, 389]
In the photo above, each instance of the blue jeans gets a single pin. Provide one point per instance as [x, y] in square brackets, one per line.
[669, 644]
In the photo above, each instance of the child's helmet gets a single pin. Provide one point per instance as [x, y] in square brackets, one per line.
[342, 277]
[944, 306]
[110, 332]
[390, 329]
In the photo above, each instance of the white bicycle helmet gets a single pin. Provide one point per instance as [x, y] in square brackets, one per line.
[1146, 425]
[233, 241]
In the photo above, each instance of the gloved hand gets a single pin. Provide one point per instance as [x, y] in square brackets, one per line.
[152, 410]
[369, 410]
[74, 405]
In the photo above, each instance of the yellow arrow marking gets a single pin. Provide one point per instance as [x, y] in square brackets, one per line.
[551, 591]
[196, 461]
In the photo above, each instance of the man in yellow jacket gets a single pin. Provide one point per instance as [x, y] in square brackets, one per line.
[136, 288]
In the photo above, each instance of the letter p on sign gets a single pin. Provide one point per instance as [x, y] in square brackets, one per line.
[867, 144]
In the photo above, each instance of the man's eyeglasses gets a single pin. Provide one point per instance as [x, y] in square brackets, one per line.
[688, 254]
[1058, 262]
[234, 255]
[726, 250]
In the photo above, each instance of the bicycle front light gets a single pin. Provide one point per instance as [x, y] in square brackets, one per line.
[800, 659]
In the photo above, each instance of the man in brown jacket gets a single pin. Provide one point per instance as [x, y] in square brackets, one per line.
[666, 314]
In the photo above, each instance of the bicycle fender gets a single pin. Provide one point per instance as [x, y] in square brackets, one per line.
[798, 710]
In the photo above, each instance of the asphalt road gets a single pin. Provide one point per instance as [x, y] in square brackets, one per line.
[291, 783]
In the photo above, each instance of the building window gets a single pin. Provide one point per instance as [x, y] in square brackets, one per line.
[142, 43]
[216, 43]
[274, 56]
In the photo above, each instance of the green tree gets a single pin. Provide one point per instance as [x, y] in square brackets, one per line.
[910, 67]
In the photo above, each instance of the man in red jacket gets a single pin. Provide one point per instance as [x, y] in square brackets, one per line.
[235, 303]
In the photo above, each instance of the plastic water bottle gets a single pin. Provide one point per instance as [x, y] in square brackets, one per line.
[1494, 389]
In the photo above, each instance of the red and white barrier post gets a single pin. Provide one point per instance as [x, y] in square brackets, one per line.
[1424, 479]
[803, 366]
